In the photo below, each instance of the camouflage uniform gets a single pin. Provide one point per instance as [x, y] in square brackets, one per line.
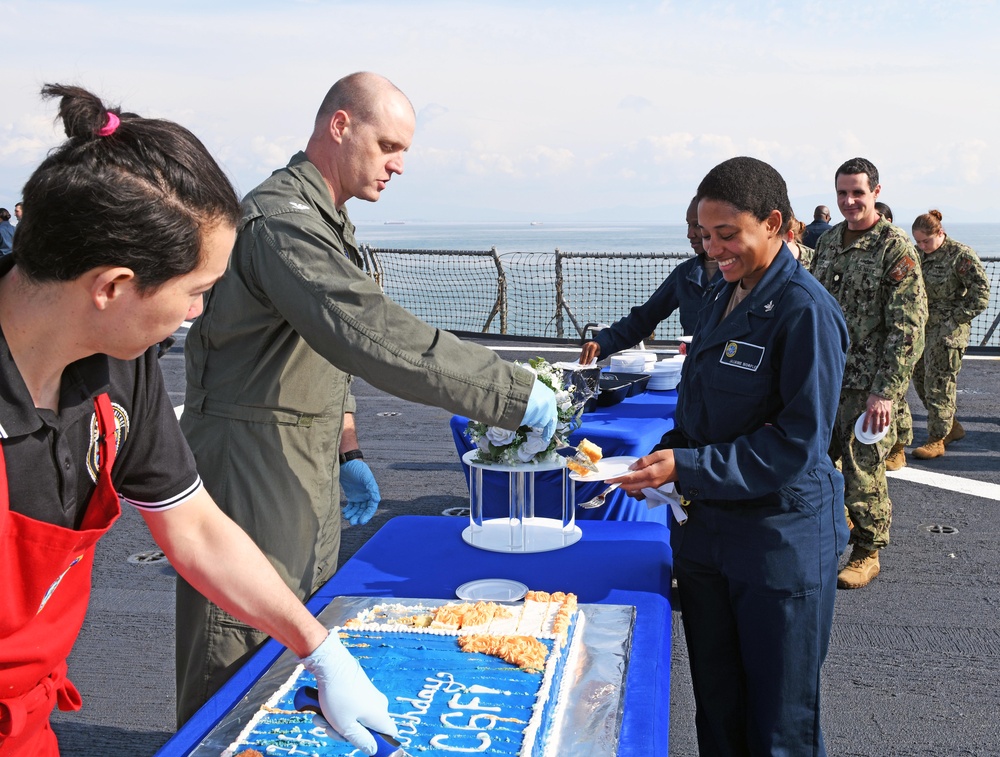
[957, 291]
[878, 284]
[806, 255]
[903, 419]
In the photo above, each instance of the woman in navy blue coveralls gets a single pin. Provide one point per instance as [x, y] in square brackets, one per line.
[756, 562]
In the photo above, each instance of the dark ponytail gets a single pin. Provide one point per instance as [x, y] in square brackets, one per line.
[121, 191]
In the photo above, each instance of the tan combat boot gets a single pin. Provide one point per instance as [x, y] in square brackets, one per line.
[860, 569]
[933, 448]
[896, 458]
[956, 433]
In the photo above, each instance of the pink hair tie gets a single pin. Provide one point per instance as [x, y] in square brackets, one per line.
[109, 128]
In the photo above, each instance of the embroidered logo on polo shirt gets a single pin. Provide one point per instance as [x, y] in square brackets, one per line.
[121, 434]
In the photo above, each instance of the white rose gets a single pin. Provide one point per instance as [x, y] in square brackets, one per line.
[534, 444]
[500, 436]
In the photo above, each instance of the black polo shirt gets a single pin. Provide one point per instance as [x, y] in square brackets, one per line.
[51, 457]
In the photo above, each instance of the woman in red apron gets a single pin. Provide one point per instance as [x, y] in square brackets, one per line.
[126, 226]
[47, 573]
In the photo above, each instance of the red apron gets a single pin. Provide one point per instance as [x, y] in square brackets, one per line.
[46, 588]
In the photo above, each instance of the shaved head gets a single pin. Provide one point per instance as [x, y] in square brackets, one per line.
[359, 95]
[362, 131]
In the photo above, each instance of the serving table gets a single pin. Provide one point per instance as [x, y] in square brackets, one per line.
[615, 562]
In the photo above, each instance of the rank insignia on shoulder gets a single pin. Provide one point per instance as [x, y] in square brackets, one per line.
[902, 269]
[769, 307]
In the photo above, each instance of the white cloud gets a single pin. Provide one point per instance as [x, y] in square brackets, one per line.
[428, 113]
[26, 140]
[634, 102]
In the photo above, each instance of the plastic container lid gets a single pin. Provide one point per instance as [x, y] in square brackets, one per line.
[869, 436]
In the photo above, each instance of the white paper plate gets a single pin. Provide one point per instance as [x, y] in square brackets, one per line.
[608, 467]
[868, 437]
[664, 386]
[491, 590]
[668, 366]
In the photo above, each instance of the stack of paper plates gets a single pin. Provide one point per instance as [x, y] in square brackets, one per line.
[666, 375]
[628, 362]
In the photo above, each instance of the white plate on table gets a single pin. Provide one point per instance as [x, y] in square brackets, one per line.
[491, 590]
[607, 467]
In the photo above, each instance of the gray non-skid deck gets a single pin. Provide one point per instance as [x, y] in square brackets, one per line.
[914, 663]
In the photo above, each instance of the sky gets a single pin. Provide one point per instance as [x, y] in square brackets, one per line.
[533, 110]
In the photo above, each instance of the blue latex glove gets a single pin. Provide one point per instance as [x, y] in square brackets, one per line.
[349, 700]
[541, 411]
[361, 490]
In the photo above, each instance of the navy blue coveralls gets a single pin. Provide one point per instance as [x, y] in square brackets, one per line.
[685, 288]
[756, 563]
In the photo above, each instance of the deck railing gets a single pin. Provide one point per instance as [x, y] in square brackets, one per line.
[546, 295]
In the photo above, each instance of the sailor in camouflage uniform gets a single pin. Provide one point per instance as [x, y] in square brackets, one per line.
[873, 271]
[957, 291]
[902, 420]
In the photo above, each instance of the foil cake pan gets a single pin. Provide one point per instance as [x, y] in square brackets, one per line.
[596, 696]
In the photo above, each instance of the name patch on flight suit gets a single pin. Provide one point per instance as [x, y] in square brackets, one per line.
[742, 355]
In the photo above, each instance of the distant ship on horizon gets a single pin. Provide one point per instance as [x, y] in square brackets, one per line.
[536, 223]
[394, 223]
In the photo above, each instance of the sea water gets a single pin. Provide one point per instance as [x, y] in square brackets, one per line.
[984, 238]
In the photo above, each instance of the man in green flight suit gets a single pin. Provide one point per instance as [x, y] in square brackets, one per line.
[270, 360]
[872, 269]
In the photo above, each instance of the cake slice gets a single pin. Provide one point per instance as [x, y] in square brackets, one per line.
[585, 460]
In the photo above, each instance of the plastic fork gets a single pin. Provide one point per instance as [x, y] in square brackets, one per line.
[597, 501]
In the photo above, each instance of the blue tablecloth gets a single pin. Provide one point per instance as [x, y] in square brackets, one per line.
[632, 427]
[615, 563]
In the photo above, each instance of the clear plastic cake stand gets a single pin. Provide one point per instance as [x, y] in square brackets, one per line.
[521, 530]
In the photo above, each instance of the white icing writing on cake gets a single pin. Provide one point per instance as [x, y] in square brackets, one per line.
[475, 722]
[407, 723]
[438, 740]
[300, 743]
[422, 702]
[456, 704]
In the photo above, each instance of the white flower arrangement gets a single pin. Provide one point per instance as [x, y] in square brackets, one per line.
[498, 446]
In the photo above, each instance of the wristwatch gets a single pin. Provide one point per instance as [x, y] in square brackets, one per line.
[354, 454]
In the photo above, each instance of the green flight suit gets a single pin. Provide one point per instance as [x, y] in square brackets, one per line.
[268, 372]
